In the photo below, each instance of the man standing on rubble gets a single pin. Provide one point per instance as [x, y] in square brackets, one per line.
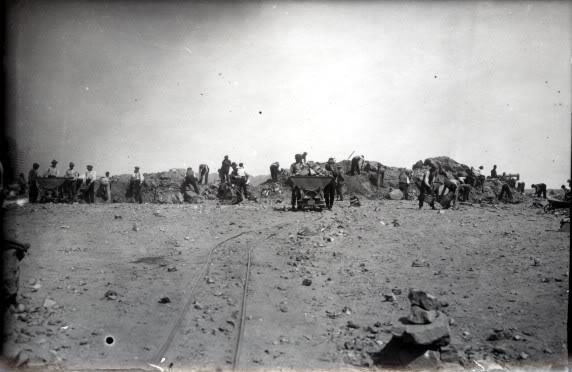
[380, 175]
[427, 188]
[540, 189]
[190, 179]
[52, 172]
[404, 184]
[494, 172]
[33, 189]
[135, 185]
[203, 172]
[357, 164]
[274, 168]
[70, 183]
[225, 169]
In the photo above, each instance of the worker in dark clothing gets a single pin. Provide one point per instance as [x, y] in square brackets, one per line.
[464, 192]
[520, 187]
[32, 176]
[404, 184]
[330, 189]
[23, 184]
[274, 168]
[505, 190]
[427, 188]
[540, 190]
[494, 172]
[225, 169]
[448, 185]
[295, 170]
[357, 164]
[190, 179]
[204, 173]
[380, 175]
[340, 184]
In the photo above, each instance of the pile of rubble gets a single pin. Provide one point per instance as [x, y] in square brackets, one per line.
[422, 339]
[162, 188]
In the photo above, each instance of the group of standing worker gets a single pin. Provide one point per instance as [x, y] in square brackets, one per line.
[75, 183]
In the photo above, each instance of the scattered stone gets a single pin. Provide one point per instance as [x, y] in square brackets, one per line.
[429, 360]
[49, 303]
[21, 308]
[210, 281]
[432, 334]
[423, 300]
[548, 351]
[111, 294]
[517, 338]
[307, 282]
[421, 316]
[421, 263]
[117, 217]
[390, 297]
[135, 227]
[523, 356]
[396, 291]
[84, 342]
[352, 324]
[32, 281]
[165, 300]
[499, 335]
[283, 307]
[198, 306]
[171, 269]
[96, 332]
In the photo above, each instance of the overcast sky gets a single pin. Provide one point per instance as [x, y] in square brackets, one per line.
[173, 85]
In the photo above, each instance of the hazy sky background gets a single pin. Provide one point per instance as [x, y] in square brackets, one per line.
[168, 85]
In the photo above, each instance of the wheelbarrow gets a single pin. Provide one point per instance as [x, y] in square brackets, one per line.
[554, 204]
[310, 191]
[50, 189]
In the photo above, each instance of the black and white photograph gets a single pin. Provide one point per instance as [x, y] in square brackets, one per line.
[286, 185]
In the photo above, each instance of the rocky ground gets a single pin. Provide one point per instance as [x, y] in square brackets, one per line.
[104, 285]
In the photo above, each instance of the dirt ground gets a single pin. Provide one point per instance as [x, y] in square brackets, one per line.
[501, 266]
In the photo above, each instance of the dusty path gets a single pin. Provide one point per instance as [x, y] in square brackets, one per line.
[494, 266]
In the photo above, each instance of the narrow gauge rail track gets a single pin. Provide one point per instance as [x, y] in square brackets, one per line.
[157, 359]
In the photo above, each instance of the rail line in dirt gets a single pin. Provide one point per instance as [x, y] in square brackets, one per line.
[192, 296]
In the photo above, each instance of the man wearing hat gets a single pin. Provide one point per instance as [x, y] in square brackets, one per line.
[90, 177]
[295, 169]
[225, 169]
[357, 164]
[52, 172]
[33, 187]
[70, 183]
[135, 185]
[330, 189]
[274, 168]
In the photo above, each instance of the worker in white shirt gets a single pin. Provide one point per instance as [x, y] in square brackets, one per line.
[52, 171]
[135, 185]
[242, 179]
[90, 177]
[70, 184]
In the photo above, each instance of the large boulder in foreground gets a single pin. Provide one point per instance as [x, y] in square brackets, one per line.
[436, 333]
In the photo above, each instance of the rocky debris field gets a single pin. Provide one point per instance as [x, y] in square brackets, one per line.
[164, 187]
[379, 286]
